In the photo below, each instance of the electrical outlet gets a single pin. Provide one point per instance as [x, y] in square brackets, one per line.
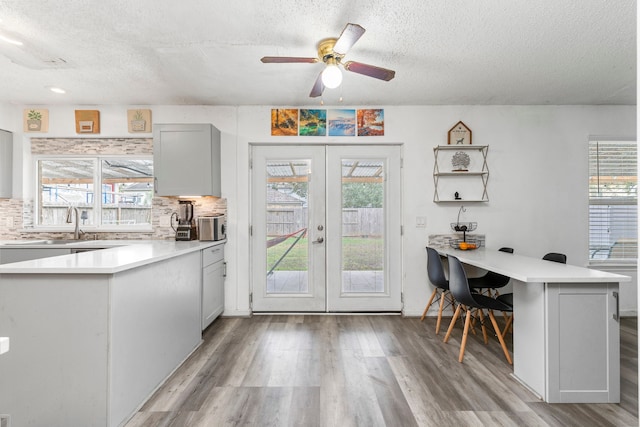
[5, 420]
[165, 221]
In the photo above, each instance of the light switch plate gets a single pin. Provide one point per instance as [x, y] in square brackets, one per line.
[165, 221]
[421, 222]
[4, 344]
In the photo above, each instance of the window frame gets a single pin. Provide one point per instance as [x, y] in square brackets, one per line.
[611, 201]
[97, 200]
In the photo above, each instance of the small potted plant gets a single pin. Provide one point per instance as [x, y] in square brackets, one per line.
[138, 124]
[34, 120]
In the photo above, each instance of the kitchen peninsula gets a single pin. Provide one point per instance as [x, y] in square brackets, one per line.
[94, 333]
[566, 345]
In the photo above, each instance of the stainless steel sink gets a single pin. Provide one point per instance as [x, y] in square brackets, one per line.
[40, 242]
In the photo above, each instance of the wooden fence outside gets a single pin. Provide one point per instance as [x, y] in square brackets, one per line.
[356, 222]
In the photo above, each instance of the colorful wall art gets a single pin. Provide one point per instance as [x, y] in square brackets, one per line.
[87, 121]
[342, 122]
[321, 122]
[371, 122]
[313, 123]
[35, 120]
[284, 121]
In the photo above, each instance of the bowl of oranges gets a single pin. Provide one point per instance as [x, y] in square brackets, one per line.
[464, 245]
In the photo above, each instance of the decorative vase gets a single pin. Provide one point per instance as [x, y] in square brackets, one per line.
[138, 125]
[34, 125]
[86, 126]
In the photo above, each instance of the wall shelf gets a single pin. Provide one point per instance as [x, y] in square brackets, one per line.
[471, 184]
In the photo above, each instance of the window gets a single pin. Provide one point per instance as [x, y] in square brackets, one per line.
[109, 192]
[613, 198]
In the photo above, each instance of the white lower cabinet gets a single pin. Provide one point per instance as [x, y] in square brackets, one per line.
[213, 273]
[583, 343]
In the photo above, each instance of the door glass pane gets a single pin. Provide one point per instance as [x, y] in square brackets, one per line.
[287, 222]
[363, 226]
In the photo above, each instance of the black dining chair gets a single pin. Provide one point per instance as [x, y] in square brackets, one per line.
[467, 300]
[555, 257]
[435, 272]
[491, 280]
[508, 298]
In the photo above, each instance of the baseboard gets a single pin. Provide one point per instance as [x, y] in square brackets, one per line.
[628, 313]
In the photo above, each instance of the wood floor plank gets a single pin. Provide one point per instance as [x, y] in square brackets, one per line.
[306, 370]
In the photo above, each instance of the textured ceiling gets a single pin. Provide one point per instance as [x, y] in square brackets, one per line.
[207, 52]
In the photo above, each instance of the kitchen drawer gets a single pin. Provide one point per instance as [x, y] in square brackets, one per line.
[212, 254]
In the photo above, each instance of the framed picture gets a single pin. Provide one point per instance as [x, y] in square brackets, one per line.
[284, 122]
[312, 123]
[139, 121]
[342, 122]
[87, 121]
[35, 120]
[370, 122]
[459, 134]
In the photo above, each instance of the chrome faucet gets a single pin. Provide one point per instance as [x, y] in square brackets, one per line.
[76, 231]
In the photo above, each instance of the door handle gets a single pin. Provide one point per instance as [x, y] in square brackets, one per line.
[318, 240]
[616, 315]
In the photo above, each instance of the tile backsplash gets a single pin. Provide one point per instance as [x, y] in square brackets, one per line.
[21, 213]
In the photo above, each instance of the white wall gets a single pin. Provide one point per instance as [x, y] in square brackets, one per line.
[537, 185]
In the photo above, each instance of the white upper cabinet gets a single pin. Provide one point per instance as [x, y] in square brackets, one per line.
[186, 160]
[6, 164]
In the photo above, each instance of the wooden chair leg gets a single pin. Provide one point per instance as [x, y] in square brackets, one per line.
[507, 326]
[453, 322]
[465, 333]
[484, 329]
[440, 313]
[498, 332]
[433, 295]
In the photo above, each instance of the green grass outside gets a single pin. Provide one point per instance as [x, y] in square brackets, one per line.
[359, 254]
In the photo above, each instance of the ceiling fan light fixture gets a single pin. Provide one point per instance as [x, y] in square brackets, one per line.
[332, 76]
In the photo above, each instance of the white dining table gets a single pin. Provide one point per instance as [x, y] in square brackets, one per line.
[566, 337]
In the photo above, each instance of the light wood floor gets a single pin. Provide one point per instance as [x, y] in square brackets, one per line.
[363, 371]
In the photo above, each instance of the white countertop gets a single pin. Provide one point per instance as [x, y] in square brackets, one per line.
[528, 269]
[120, 255]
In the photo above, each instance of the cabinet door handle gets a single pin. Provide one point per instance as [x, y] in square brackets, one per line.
[224, 272]
[155, 184]
[616, 314]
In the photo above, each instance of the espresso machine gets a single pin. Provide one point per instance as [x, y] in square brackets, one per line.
[186, 228]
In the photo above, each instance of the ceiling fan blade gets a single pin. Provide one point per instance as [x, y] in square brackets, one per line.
[349, 37]
[369, 70]
[318, 87]
[286, 59]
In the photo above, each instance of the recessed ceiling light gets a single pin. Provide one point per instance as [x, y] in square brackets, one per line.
[57, 90]
[11, 41]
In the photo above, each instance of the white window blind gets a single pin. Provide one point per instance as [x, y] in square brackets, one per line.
[613, 200]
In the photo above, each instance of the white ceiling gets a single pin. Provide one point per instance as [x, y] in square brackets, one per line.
[207, 52]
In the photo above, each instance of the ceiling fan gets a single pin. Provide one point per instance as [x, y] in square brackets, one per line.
[331, 51]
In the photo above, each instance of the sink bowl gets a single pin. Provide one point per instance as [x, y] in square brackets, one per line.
[41, 242]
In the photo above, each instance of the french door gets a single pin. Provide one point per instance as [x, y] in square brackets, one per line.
[325, 228]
